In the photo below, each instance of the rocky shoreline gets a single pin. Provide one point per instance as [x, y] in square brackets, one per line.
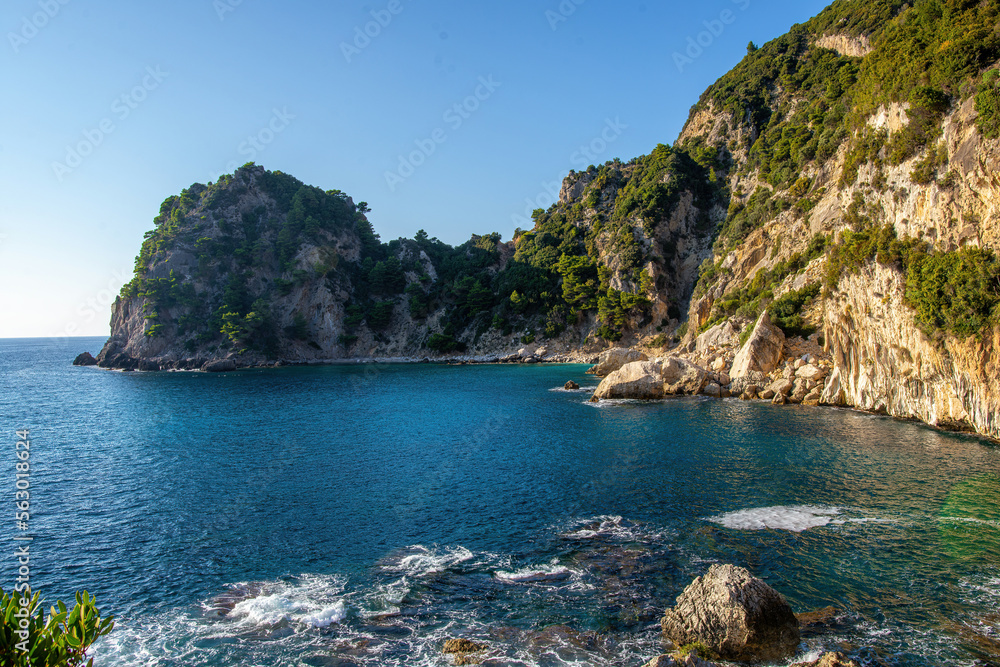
[726, 615]
[526, 355]
[766, 366]
[718, 363]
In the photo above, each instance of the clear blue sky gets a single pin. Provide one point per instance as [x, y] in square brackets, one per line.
[183, 86]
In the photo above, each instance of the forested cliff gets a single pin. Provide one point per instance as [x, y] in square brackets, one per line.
[843, 177]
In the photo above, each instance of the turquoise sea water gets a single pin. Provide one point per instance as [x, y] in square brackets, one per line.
[359, 515]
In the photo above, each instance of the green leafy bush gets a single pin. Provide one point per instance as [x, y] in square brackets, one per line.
[786, 311]
[988, 105]
[60, 640]
[952, 291]
[443, 343]
[957, 291]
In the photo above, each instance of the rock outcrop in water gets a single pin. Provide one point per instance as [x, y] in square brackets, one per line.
[829, 660]
[638, 379]
[690, 660]
[858, 216]
[735, 615]
[651, 380]
[85, 359]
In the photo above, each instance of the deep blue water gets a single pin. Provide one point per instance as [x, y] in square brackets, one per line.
[359, 515]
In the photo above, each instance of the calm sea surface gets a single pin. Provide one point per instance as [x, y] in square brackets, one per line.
[360, 515]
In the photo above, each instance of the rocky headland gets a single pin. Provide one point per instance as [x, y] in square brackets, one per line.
[823, 231]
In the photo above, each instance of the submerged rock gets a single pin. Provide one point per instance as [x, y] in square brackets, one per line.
[613, 359]
[85, 359]
[824, 617]
[462, 646]
[735, 615]
[690, 660]
[829, 660]
[463, 650]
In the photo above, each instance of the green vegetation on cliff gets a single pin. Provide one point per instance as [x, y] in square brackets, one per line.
[797, 104]
[954, 291]
[257, 245]
[258, 238]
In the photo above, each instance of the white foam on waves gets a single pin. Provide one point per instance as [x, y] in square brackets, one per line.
[419, 561]
[969, 519]
[611, 527]
[536, 573]
[580, 390]
[312, 600]
[795, 518]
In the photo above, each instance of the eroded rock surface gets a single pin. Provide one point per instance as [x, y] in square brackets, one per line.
[734, 614]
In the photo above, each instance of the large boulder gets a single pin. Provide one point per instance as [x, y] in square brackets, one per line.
[85, 359]
[734, 614]
[782, 386]
[833, 392]
[811, 372]
[762, 351]
[639, 379]
[681, 376]
[220, 366]
[753, 378]
[800, 389]
[713, 389]
[720, 335]
[613, 359]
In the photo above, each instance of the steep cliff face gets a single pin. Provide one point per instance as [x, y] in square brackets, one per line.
[883, 363]
[260, 268]
[920, 175]
[843, 177]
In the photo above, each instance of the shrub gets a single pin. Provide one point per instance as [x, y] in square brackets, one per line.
[442, 343]
[785, 312]
[61, 640]
[956, 291]
[380, 315]
[988, 108]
